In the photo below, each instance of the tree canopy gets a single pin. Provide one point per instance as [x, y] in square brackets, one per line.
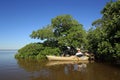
[107, 33]
[63, 29]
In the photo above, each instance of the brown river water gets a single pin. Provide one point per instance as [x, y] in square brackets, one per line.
[12, 69]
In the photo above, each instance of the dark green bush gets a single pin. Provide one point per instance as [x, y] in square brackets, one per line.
[29, 51]
[36, 51]
[48, 51]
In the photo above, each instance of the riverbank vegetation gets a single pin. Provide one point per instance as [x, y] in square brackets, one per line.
[64, 30]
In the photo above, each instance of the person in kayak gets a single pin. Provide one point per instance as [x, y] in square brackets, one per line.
[79, 53]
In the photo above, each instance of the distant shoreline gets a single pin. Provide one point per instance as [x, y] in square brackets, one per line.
[8, 49]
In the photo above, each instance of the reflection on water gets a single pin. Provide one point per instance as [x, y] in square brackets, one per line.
[80, 67]
[31, 65]
[75, 67]
[12, 69]
[57, 70]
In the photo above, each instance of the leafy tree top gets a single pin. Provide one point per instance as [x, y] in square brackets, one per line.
[64, 29]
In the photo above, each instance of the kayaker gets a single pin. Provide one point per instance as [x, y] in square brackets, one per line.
[79, 53]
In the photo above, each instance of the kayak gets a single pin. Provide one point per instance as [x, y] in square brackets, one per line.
[71, 58]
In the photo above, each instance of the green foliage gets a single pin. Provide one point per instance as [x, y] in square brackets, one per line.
[30, 51]
[36, 51]
[48, 51]
[68, 31]
[62, 24]
[45, 33]
[94, 37]
[117, 50]
[76, 37]
[64, 30]
[104, 39]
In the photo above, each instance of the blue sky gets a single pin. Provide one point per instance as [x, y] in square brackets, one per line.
[18, 18]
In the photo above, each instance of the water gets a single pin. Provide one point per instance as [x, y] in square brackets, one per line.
[12, 69]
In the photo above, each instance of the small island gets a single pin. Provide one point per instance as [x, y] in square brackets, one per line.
[102, 40]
